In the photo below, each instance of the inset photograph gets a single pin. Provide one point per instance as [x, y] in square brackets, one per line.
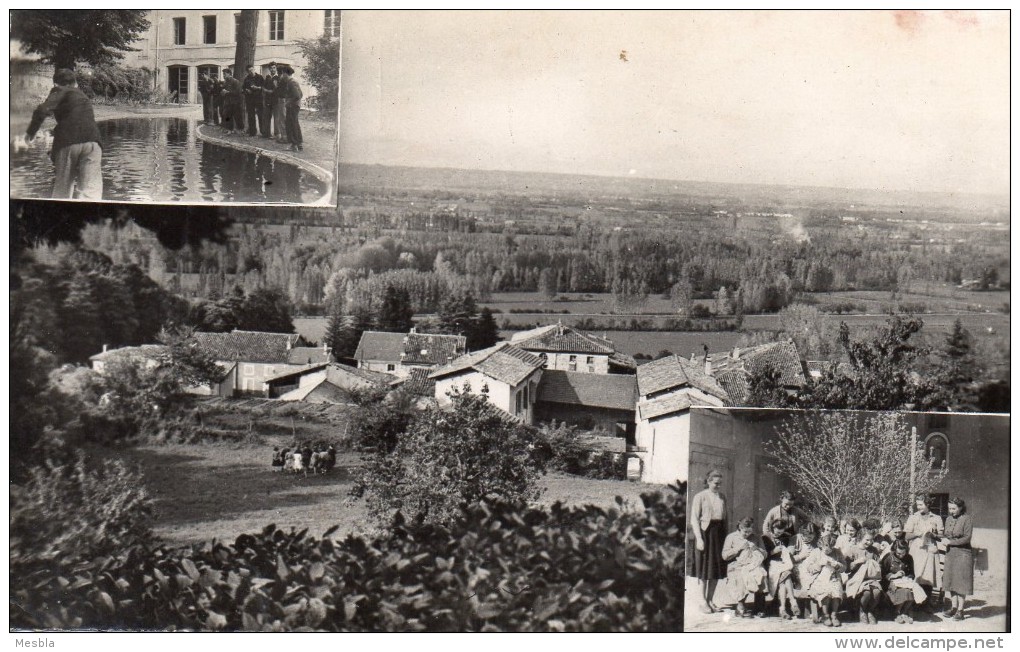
[194, 106]
[856, 521]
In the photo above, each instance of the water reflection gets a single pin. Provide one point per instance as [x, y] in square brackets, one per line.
[162, 159]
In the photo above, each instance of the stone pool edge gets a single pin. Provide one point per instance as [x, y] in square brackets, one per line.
[323, 174]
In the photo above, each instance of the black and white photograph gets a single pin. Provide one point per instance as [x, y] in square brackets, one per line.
[163, 105]
[847, 521]
[462, 384]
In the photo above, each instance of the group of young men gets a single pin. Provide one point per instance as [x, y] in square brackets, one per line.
[270, 104]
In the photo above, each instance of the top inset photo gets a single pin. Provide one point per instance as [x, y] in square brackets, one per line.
[175, 106]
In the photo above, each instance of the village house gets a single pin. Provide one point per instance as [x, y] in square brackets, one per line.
[734, 369]
[605, 402]
[181, 44]
[508, 375]
[400, 353]
[325, 382]
[667, 390]
[149, 355]
[569, 349]
[250, 358]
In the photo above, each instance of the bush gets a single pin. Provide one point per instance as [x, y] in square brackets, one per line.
[452, 457]
[322, 70]
[120, 83]
[564, 451]
[497, 567]
[75, 512]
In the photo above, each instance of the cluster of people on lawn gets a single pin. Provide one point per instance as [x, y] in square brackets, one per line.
[306, 457]
[814, 570]
[269, 105]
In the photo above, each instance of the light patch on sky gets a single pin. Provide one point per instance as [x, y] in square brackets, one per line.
[908, 100]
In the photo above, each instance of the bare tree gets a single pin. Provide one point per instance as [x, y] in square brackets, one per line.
[854, 464]
[247, 32]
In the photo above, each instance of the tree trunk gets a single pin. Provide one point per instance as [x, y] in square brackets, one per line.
[247, 31]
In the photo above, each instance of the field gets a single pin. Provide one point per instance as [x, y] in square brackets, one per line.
[220, 490]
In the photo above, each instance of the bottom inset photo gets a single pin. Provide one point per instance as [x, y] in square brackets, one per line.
[847, 521]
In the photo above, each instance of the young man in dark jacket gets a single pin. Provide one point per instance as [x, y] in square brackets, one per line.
[233, 117]
[77, 151]
[292, 95]
[269, 85]
[205, 88]
[252, 87]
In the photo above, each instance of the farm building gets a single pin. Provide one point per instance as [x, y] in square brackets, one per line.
[604, 402]
[569, 349]
[250, 358]
[399, 353]
[733, 369]
[329, 382]
[507, 374]
[148, 354]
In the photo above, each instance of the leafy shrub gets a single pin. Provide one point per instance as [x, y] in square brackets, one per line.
[120, 83]
[379, 419]
[322, 70]
[564, 451]
[448, 458]
[496, 567]
[75, 512]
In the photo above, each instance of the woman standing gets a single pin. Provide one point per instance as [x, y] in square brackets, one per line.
[958, 576]
[922, 532]
[708, 521]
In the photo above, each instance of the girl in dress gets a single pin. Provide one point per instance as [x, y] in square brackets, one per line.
[826, 588]
[958, 574]
[745, 572]
[779, 564]
[898, 579]
[865, 582]
[847, 540]
[800, 576]
[708, 523]
[921, 532]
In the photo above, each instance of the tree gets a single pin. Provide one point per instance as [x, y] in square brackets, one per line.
[267, 310]
[66, 37]
[682, 296]
[247, 33]
[765, 388]
[484, 333]
[453, 458]
[857, 465]
[396, 314]
[322, 69]
[548, 283]
[457, 314]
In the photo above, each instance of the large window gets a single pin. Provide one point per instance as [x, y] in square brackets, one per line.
[211, 70]
[331, 22]
[177, 78]
[179, 31]
[276, 25]
[208, 29]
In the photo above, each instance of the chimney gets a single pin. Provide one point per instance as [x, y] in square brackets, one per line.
[708, 363]
[414, 329]
[105, 347]
[736, 353]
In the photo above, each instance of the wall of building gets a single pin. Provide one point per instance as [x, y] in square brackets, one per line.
[617, 422]
[500, 394]
[598, 364]
[662, 446]
[386, 367]
[157, 51]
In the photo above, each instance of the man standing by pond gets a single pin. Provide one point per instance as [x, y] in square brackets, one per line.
[278, 104]
[292, 95]
[233, 117]
[253, 99]
[205, 89]
[77, 152]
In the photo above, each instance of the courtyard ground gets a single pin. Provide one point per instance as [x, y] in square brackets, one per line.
[986, 612]
[221, 490]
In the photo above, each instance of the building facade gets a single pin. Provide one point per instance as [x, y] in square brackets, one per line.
[508, 376]
[181, 44]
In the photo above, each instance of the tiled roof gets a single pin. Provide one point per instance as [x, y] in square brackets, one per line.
[145, 351]
[504, 362]
[673, 371]
[308, 355]
[562, 339]
[733, 370]
[614, 391]
[418, 382]
[333, 371]
[249, 346]
[376, 345]
[668, 404]
[622, 360]
[432, 349]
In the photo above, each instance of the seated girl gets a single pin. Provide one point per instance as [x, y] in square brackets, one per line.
[826, 588]
[847, 539]
[892, 531]
[803, 546]
[779, 565]
[898, 580]
[745, 572]
[865, 582]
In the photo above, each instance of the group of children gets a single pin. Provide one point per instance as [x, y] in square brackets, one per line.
[817, 569]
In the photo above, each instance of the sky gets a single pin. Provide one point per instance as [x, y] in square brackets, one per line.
[885, 100]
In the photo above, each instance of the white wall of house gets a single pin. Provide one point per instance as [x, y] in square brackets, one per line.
[500, 394]
[580, 362]
[386, 367]
[665, 447]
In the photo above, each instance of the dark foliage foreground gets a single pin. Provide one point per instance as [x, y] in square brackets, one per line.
[497, 567]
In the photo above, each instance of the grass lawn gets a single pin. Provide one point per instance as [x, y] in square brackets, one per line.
[221, 490]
